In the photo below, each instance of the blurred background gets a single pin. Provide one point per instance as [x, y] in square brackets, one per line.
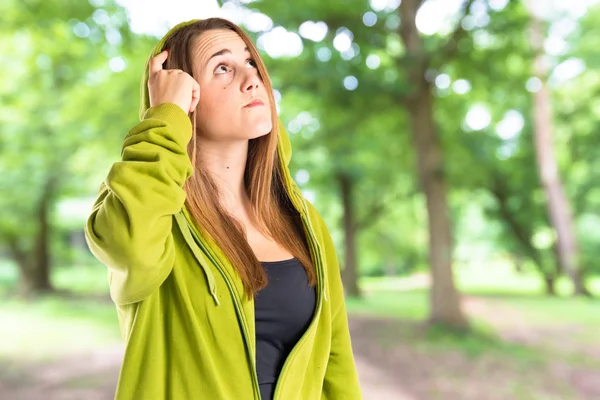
[451, 146]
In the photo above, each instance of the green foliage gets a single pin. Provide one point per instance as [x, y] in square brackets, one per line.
[70, 92]
[87, 323]
[65, 112]
[577, 123]
[362, 133]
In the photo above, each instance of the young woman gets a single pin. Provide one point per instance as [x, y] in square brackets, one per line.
[225, 278]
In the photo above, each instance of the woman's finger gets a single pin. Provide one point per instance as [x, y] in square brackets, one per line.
[157, 61]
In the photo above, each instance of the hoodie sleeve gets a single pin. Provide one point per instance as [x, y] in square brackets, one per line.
[341, 377]
[129, 229]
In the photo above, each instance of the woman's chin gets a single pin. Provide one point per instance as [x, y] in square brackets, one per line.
[260, 129]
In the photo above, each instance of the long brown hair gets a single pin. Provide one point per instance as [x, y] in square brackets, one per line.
[263, 177]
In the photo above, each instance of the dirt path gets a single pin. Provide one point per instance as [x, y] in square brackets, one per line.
[93, 376]
[427, 370]
[394, 359]
[90, 376]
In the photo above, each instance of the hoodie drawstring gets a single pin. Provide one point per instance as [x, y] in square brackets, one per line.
[184, 228]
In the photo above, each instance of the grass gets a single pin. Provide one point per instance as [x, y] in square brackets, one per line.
[552, 311]
[48, 326]
[410, 305]
[547, 334]
[481, 339]
[91, 320]
[413, 305]
[57, 324]
[54, 326]
[501, 288]
[497, 279]
[389, 296]
[494, 279]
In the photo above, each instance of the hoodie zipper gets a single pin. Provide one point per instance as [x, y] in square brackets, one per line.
[237, 306]
[321, 293]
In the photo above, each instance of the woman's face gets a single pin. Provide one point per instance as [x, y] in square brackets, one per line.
[233, 100]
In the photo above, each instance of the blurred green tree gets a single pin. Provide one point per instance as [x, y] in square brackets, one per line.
[398, 60]
[577, 117]
[339, 116]
[66, 92]
[559, 209]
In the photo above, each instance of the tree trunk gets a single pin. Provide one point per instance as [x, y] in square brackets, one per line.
[444, 298]
[523, 234]
[558, 204]
[34, 264]
[518, 261]
[551, 276]
[549, 284]
[42, 245]
[349, 272]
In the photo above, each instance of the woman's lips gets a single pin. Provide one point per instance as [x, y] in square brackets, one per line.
[254, 103]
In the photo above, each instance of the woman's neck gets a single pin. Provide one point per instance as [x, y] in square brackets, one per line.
[226, 164]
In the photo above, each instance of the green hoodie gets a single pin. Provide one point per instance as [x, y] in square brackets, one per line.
[188, 327]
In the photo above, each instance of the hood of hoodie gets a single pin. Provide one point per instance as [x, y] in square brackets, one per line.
[284, 146]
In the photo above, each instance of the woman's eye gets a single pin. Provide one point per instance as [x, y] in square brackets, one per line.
[224, 68]
[221, 69]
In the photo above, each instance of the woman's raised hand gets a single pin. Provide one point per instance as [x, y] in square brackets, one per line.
[171, 85]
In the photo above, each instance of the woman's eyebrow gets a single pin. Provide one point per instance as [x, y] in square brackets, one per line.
[222, 52]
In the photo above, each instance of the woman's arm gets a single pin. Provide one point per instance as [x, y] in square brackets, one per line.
[129, 229]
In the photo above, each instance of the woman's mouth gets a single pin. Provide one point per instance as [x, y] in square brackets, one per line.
[254, 103]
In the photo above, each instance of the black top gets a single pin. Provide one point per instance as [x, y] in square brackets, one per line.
[283, 311]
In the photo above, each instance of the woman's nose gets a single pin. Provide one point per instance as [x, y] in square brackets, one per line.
[251, 82]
